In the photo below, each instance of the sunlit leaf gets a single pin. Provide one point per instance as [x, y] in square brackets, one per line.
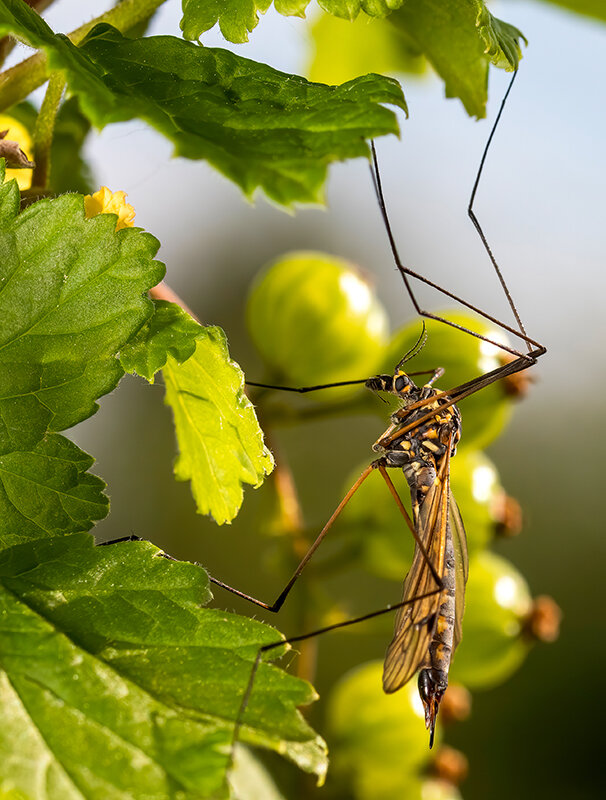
[220, 442]
[169, 332]
[236, 18]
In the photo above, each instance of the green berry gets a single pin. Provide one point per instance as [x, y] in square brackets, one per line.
[497, 602]
[475, 485]
[315, 319]
[378, 741]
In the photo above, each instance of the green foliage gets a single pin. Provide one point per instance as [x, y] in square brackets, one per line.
[212, 104]
[113, 643]
[48, 491]
[236, 18]
[220, 443]
[219, 439]
[170, 331]
[77, 648]
[459, 39]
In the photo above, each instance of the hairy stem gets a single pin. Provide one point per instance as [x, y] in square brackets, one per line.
[44, 129]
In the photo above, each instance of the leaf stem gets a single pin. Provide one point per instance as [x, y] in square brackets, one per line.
[44, 129]
[19, 81]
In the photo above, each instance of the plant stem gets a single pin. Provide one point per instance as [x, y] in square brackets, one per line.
[19, 81]
[45, 126]
[7, 42]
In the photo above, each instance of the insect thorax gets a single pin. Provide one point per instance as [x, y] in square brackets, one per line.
[419, 449]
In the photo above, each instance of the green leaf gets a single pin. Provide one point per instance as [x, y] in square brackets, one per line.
[344, 49]
[236, 18]
[460, 37]
[48, 492]
[259, 127]
[169, 332]
[220, 442]
[71, 294]
[115, 682]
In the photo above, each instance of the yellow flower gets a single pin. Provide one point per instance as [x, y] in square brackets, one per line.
[107, 202]
[18, 133]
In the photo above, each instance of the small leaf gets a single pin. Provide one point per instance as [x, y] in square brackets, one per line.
[502, 40]
[116, 683]
[236, 18]
[48, 492]
[169, 332]
[220, 443]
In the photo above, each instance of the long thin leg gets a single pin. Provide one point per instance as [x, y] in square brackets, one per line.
[302, 637]
[407, 273]
[279, 601]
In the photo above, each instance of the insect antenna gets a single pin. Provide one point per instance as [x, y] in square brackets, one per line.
[416, 348]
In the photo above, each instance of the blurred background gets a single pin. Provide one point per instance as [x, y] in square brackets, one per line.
[541, 203]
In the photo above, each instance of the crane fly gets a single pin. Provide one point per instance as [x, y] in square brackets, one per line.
[421, 440]
[428, 624]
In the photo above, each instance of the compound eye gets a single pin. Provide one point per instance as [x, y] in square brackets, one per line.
[400, 382]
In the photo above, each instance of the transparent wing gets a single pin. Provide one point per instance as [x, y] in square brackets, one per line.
[459, 541]
[415, 621]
